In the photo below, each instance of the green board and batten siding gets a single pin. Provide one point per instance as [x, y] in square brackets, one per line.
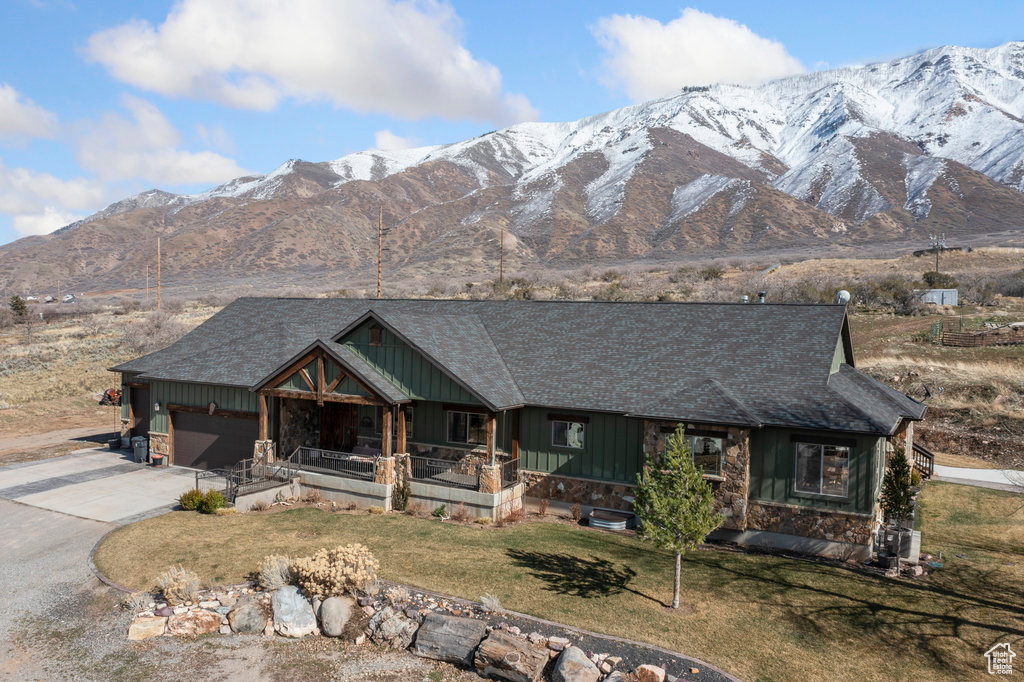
[197, 395]
[406, 367]
[612, 446]
[773, 470]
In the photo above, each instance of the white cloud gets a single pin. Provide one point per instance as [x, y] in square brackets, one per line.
[20, 117]
[400, 58]
[146, 147]
[43, 223]
[39, 202]
[385, 140]
[647, 58]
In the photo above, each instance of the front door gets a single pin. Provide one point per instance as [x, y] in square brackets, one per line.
[339, 426]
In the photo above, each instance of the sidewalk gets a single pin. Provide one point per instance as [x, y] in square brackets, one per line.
[996, 479]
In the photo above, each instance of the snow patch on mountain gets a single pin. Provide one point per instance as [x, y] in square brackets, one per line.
[922, 172]
[688, 199]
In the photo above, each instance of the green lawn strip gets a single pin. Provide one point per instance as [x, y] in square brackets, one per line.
[758, 616]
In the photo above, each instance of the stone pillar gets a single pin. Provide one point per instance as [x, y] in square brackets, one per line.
[159, 444]
[403, 467]
[385, 471]
[264, 452]
[490, 478]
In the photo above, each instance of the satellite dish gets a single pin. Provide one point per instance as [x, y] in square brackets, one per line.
[843, 297]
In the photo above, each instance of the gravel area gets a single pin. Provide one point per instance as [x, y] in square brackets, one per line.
[58, 621]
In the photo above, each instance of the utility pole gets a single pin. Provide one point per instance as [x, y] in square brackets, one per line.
[158, 274]
[147, 284]
[380, 244]
[938, 243]
[58, 292]
[501, 256]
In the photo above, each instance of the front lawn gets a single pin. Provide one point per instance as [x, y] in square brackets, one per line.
[759, 617]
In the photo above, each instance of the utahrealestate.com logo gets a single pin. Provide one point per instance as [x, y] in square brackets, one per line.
[1000, 659]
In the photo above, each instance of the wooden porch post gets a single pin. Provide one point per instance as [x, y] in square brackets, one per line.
[492, 433]
[263, 416]
[385, 432]
[515, 434]
[401, 446]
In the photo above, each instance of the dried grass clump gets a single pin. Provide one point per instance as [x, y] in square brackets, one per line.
[462, 514]
[274, 571]
[577, 512]
[312, 497]
[542, 507]
[259, 505]
[348, 569]
[178, 585]
[490, 603]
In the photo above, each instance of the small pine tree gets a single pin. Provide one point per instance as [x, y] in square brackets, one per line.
[18, 307]
[675, 505]
[897, 500]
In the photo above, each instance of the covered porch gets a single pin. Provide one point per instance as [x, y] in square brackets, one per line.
[341, 427]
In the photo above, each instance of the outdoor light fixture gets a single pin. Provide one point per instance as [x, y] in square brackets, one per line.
[156, 407]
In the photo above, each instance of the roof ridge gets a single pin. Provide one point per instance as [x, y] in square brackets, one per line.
[497, 351]
[727, 394]
[549, 301]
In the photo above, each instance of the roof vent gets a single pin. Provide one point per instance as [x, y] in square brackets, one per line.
[843, 297]
[375, 334]
[760, 296]
[745, 299]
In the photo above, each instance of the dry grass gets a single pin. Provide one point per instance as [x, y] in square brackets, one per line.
[48, 382]
[758, 616]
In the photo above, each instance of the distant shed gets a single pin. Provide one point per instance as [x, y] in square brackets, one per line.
[938, 296]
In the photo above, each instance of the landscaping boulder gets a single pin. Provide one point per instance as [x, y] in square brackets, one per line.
[334, 614]
[145, 627]
[506, 656]
[574, 666]
[448, 638]
[194, 623]
[390, 628]
[293, 614]
[248, 618]
[649, 673]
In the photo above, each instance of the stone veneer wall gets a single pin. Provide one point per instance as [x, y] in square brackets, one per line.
[300, 425]
[159, 444]
[126, 427]
[807, 522]
[583, 490]
[732, 489]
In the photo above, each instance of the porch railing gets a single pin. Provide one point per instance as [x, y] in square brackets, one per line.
[447, 472]
[245, 477]
[924, 460]
[346, 464]
[510, 473]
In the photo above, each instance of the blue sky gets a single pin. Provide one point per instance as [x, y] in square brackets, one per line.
[99, 100]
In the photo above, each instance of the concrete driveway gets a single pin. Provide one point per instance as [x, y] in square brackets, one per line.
[95, 483]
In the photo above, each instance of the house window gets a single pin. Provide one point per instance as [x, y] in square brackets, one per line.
[822, 469]
[567, 434]
[467, 427]
[707, 454]
[375, 334]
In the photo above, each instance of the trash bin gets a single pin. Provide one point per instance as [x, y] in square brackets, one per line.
[141, 447]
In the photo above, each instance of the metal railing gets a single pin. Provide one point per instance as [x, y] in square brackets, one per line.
[452, 473]
[346, 464]
[509, 473]
[245, 477]
[924, 460]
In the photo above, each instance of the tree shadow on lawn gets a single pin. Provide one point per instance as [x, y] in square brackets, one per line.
[910, 616]
[577, 576]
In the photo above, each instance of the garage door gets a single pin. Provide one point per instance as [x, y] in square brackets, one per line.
[140, 410]
[205, 442]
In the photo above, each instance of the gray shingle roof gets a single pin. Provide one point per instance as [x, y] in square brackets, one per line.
[717, 362]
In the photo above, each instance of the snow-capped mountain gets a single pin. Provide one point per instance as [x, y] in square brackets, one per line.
[881, 152]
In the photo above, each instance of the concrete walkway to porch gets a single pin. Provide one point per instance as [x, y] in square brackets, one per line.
[96, 483]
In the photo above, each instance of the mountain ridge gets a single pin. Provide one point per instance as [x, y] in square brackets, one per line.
[877, 153]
